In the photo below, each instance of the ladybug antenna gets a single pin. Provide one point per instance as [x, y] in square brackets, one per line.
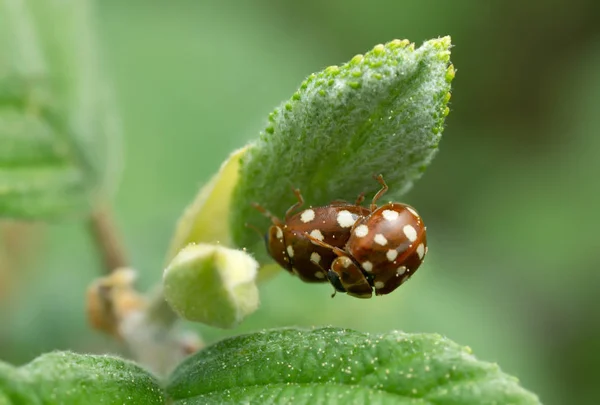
[380, 193]
[360, 199]
[255, 229]
[267, 214]
[298, 204]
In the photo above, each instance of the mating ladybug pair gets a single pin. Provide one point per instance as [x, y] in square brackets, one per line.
[356, 249]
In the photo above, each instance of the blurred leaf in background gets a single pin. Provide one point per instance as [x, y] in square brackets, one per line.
[510, 201]
[58, 128]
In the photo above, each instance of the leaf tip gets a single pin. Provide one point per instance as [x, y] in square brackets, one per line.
[441, 43]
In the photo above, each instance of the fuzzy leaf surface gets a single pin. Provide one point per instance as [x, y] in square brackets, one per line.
[67, 378]
[381, 113]
[339, 366]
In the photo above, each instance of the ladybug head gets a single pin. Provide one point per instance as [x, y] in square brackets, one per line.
[335, 281]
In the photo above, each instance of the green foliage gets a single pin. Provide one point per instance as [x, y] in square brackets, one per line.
[517, 164]
[68, 378]
[202, 221]
[332, 365]
[279, 366]
[379, 113]
[57, 126]
[385, 109]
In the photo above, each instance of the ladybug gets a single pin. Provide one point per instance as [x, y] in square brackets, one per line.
[385, 248]
[290, 242]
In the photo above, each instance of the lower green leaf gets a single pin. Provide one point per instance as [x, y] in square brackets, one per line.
[68, 378]
[342, 366]
[13, 390]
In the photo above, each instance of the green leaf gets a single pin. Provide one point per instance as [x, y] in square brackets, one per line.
[204, 219]
[58, 130]
[379, 113]
[340, 366]
[68, 378]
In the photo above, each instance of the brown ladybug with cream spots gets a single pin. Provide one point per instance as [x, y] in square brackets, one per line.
[290, 243]
[385, 248]
[389, 246]
[356, 249]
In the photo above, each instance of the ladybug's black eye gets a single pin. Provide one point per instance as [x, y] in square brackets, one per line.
[334, 279]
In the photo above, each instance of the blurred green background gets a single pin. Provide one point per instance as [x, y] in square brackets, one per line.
[511, 201]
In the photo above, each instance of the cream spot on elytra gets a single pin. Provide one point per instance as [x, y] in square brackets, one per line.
[307, 215]
[368, 266]
[421, 251]
[279, 233]
[390, 215]
[315, 257]
[319, 274]
[379, 285]
[380, 239]
[401, 270]
[345, 219]
[410, 232]
[391, 254]
[290, 251]
[361, 231]
[315, 233]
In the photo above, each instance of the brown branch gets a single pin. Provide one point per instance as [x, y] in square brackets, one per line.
[107, 238]
[113, 305]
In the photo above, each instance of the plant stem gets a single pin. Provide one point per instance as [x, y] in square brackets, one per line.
[107, 238]
[151, 339]
[159, 311]
[105, 233]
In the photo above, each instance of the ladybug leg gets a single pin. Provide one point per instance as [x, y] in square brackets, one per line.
[380, 193]
[335, 282]
[334, 249]
[299, 204]
[266, 213]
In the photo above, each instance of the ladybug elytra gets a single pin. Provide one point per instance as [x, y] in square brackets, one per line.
[358, 250]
